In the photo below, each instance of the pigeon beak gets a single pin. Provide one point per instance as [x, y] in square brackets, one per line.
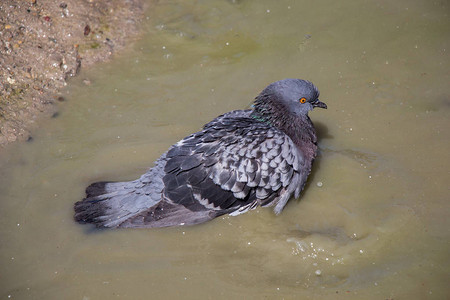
[320, 104]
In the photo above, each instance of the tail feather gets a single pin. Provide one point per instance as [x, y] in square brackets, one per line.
[124, 204]
[88, 211]
[138, 203]
[118, 204]
[96, 189]
[108, 204]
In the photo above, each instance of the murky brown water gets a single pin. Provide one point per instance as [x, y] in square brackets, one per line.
[377, 228]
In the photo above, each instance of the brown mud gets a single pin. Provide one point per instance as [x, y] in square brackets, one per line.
[43, 43]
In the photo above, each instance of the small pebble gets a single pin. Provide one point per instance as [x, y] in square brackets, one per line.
[87, 30]
[318, 272]
[319, 184]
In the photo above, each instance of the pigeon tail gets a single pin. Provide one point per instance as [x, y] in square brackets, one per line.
[115, 204]
[107, 204]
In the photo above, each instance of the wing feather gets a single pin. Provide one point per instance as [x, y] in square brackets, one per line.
[234, 162]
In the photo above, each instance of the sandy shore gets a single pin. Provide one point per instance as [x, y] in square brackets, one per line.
[45, 42]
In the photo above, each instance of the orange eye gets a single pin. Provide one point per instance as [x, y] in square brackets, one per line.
[303, 100]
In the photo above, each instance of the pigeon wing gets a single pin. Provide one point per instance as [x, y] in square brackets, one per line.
[234, 164]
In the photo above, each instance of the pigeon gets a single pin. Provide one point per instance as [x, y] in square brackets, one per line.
[239, 161]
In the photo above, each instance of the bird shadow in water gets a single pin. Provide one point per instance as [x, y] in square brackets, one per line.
[91, 229]
[322, 131]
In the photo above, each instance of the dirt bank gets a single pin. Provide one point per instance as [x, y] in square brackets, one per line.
[45, 42]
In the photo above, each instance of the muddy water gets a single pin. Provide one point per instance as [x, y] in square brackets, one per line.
[373, 221]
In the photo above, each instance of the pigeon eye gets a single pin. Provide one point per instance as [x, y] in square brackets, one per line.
[302, 100]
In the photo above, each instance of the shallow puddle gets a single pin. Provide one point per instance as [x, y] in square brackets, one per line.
[373, 221]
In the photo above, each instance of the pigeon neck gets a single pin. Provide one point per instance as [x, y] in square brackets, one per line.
[301, 130]
[298, 127]
[268, 111]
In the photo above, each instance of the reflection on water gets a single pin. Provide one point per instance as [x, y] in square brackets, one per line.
[372, 222]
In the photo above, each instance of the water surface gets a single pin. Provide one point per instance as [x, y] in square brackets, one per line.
[373, 221]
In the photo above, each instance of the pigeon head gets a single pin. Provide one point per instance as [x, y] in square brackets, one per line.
[284, 98]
